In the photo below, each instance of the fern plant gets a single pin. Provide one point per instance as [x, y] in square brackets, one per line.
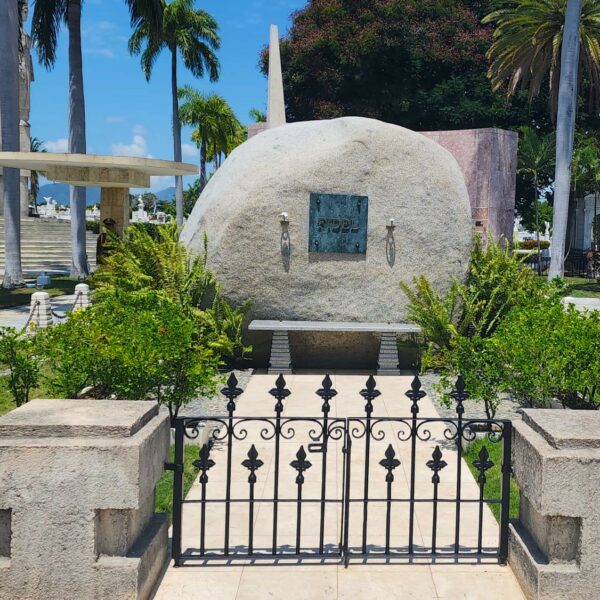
[160, 262]
[455, 323]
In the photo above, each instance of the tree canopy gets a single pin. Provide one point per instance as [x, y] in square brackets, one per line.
[418, 63]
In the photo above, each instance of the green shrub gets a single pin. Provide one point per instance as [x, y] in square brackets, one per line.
[532, 245]
[495, 282]
[131, 345]
[93, 226]
[162, 263]
[550, 352]
[18, 354]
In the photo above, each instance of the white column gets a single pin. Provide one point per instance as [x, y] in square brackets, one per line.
[276, 102]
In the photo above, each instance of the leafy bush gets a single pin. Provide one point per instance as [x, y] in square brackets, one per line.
[467, 330]
[161, 263]
[131, 345]
[495, 282]
[532, 245]
[549, 353]
[18, 355]
[93, 226]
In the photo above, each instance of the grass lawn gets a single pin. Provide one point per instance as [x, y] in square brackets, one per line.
[6, 401]
[579, 287]
[494, 475]
[164, 488]
[61, 284]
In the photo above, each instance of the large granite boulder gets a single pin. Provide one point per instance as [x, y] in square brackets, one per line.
[407, 178]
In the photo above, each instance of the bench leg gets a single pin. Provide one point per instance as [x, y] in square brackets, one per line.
[281, 360]
[388, 355]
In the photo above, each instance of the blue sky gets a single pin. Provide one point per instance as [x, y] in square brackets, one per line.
[126, 115]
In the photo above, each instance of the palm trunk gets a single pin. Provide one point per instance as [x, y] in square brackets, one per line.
[202, 165]
[537, 225]
[565, 135]
[77, 142]
[9, 126]
[176, 139]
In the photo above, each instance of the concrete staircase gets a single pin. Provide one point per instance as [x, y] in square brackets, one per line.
[46, 246]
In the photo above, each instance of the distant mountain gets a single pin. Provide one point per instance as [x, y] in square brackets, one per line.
[166, 194]
[60, 193]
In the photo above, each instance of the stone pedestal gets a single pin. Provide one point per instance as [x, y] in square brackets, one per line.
[77, 481]
[555, 544]
[40, 311]
[114, 204]
[82, 296]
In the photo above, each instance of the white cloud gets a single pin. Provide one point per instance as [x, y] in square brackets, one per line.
[138, 146]
[105, 52]
[189, 150]
[59, 145]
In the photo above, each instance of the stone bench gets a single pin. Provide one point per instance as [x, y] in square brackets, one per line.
[281, 360]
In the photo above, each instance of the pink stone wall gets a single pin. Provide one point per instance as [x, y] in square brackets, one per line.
[255, 129]
[488, 159]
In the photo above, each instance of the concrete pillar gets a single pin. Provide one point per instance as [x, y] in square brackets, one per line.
[82, 296]
[276, 100]
[40, 311]
[114, 204]
[77, 481]
[554, 545]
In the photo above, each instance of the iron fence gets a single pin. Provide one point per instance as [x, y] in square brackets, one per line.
[329, 486]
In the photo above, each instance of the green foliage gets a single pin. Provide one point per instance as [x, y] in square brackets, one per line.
[527, 42]
[457, 324]
[18, 354]
[183, 28]
[158, 262]
[163, 502]
[132, 345]
[494, 283]
[161, 263]
[493, 486]
[226, 325]
[532, 245]
[549, 352]
[417, 63]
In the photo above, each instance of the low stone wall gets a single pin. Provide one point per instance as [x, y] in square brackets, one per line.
[77, 481]
[554, 546]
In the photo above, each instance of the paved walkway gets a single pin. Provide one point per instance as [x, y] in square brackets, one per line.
[316, 578]
[583, 303]
[17, 316]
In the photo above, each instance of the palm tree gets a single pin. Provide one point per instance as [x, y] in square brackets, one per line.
[9, 118]
[48, 16]
[192, 34]
[217, 128]
[565, 135]
[36, 145]
[257, 115]
[527, 43]
[537, 40]
[536, 158]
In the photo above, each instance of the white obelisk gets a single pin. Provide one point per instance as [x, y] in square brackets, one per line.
[276, 101]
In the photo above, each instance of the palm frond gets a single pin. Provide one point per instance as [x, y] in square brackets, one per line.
[48, 16]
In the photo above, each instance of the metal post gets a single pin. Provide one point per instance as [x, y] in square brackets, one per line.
[177, 491]
[505, 507]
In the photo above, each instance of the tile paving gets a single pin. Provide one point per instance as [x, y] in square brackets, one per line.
[316, 578]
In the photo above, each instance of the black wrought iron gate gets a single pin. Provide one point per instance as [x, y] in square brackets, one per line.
[339, 486]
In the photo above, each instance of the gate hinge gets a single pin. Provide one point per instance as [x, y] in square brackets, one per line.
[174, 467]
